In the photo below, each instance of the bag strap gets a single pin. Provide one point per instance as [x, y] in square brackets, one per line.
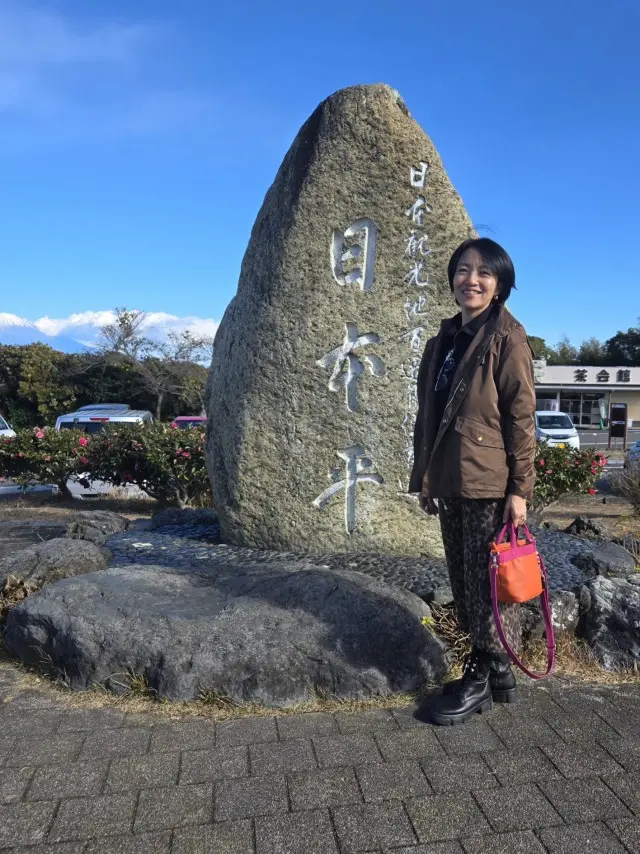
[546, 614]
[509, 529]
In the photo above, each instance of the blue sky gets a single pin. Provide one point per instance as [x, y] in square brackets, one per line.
[138, 138]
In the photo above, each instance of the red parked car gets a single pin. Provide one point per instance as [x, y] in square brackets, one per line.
[183, 422]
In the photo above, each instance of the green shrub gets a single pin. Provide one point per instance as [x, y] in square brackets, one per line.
[564, 470]
[43, 455]
[167, 464]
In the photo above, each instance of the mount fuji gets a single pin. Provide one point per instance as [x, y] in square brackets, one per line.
[80, 332]
[17, 331]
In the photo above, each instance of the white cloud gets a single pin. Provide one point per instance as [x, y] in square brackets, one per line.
[36, 38]
[85, 326]
[63, 78]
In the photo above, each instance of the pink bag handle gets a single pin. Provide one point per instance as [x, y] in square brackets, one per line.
[546, 613]
[510, 529]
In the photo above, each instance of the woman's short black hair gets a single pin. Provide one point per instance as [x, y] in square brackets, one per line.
[496, 259]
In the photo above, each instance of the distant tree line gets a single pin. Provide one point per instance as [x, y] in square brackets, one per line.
[38, 383]
[622, 349]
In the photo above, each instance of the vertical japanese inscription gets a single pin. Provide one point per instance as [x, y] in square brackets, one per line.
[417, 253]
[352, 257]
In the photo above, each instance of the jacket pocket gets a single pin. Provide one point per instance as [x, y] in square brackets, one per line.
[479, 433]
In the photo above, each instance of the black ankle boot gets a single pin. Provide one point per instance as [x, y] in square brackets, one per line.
[471, 695]
[501, 680]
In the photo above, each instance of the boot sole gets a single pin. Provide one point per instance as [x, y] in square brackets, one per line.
[508, 695]
[453, 720]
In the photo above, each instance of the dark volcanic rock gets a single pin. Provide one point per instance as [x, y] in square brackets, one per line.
[96, 526]
[53, 560]
[612, 624]
[277, 634]
[565, 612]
[586, 528]
[608, 559]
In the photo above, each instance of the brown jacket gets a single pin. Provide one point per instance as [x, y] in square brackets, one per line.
[485, 444]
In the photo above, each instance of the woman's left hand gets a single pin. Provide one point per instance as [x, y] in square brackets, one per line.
[515, 509]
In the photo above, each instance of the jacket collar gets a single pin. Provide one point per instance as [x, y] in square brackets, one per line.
[500, 323]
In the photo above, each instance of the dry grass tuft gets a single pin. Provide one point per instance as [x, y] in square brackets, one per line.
[13, 592]
[445, 625]
[575, 659]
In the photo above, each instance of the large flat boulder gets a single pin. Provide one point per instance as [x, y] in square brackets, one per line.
[312, 389]
[55, 559]
[276, 634]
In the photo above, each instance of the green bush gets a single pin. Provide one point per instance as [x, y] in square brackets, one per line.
[166, 463]
[563, 470]
[43, 455]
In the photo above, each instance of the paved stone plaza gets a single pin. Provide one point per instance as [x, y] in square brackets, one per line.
[557, 772]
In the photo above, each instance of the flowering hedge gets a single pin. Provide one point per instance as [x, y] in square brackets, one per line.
[42, 455]
[169, 464]
[165, 463]
[564, 470]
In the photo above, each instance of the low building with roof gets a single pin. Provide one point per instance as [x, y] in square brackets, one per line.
[586, 393]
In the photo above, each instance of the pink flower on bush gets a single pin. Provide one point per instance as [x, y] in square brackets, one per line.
[39, 434]
[84, 460]
[602, 461]
[592, 491]
[83, 441]
[549, 471]
[541, 462]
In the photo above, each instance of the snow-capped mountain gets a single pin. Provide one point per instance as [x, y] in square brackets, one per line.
[17, 331]
[80, 331]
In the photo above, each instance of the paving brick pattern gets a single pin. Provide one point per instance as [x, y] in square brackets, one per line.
[557, 772]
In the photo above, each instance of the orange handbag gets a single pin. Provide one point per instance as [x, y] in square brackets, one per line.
[518, 574]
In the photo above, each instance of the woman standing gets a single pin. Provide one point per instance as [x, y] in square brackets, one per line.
[474, 444]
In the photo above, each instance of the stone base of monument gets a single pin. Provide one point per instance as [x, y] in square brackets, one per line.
[275, 634]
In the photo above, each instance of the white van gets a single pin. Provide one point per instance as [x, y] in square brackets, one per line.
[556, 428]
[5, 431]
[91, 406]
[93, 420]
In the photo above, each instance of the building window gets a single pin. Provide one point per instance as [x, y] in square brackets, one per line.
[624, 376]
[603, 377]
[580, 375]
[586, 409]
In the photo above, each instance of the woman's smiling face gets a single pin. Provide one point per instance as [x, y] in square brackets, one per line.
[474, 285]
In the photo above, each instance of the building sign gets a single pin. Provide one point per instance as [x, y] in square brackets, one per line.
[580, 376]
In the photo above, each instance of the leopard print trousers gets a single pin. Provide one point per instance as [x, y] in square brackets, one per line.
[468, 526]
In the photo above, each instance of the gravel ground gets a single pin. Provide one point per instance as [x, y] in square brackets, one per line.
[184, 545]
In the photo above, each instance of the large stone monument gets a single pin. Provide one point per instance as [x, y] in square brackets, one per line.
[312, 391]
